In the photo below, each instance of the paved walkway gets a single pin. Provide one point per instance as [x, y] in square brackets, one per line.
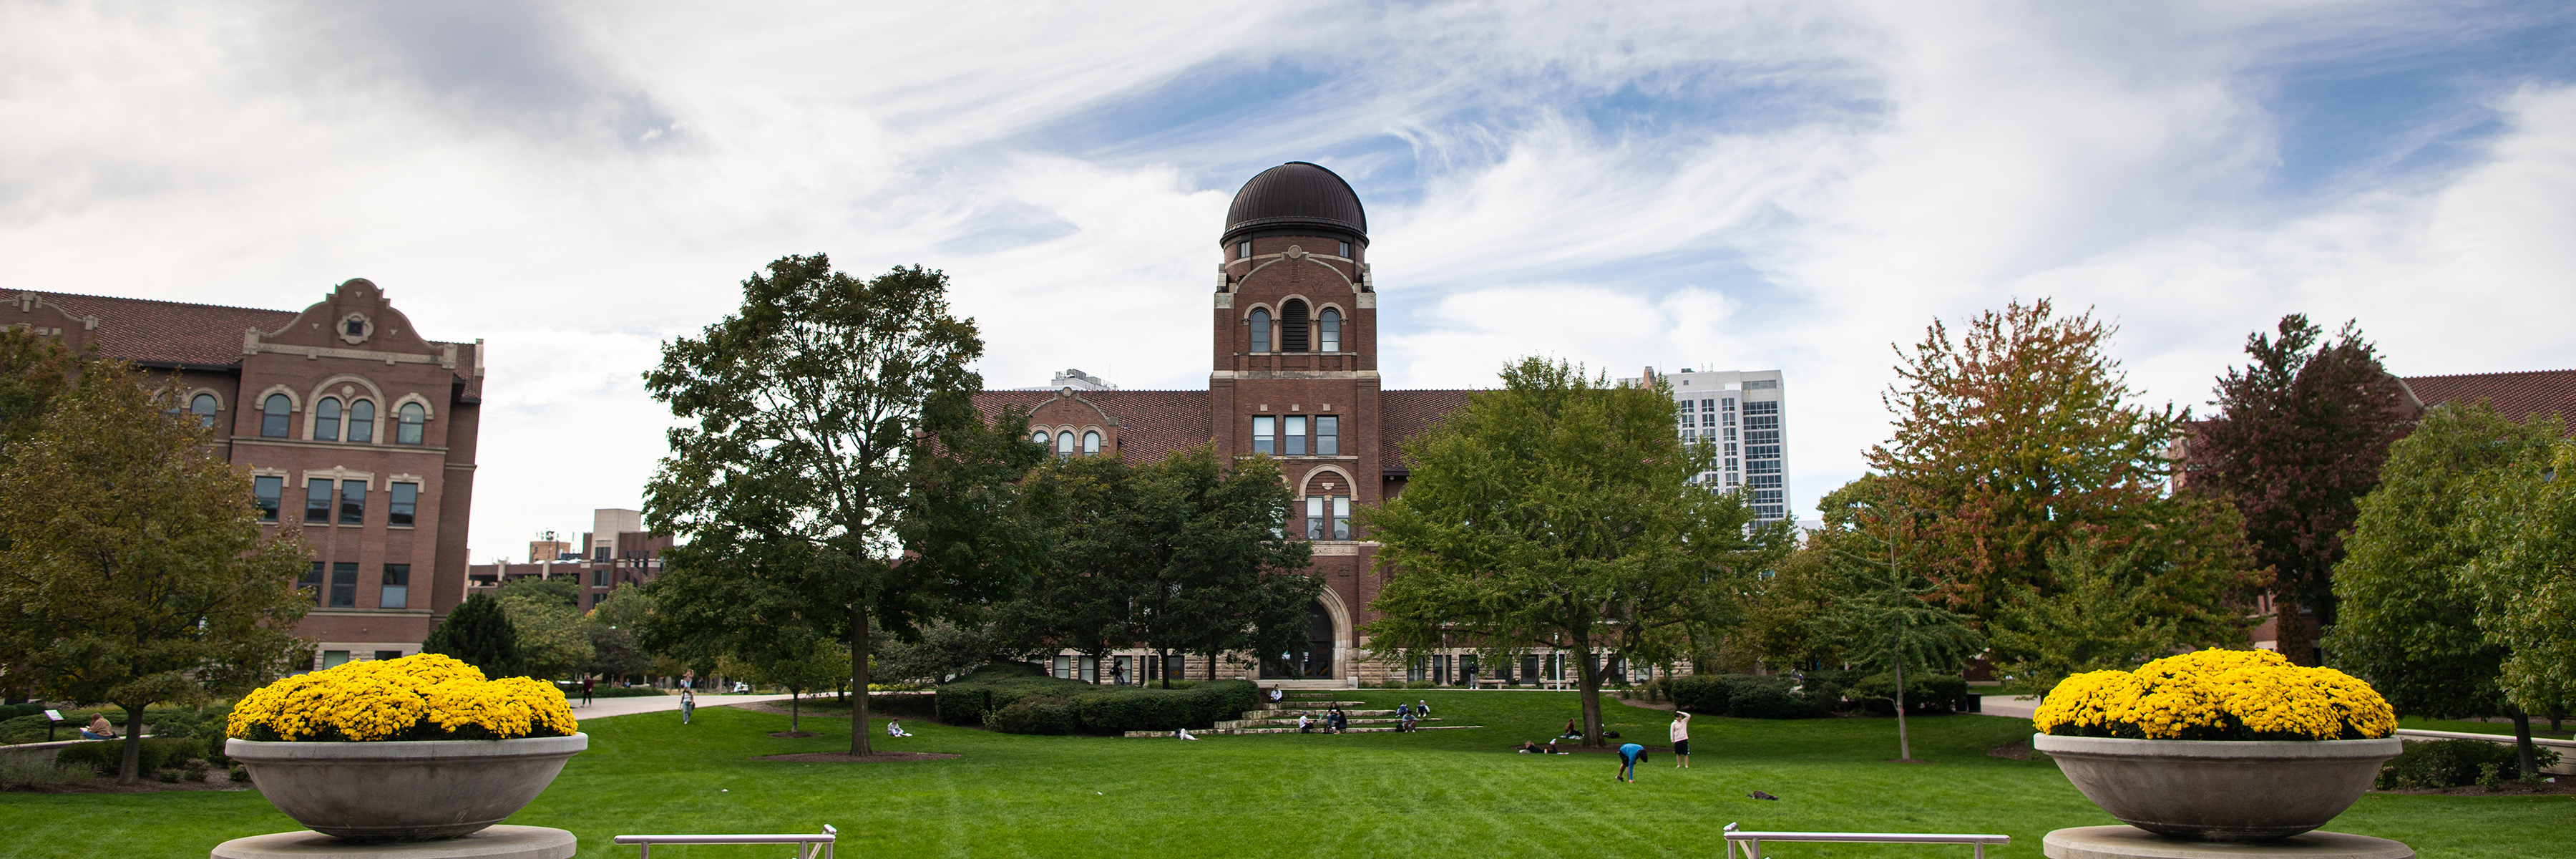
[2012, 708]
[601, 708]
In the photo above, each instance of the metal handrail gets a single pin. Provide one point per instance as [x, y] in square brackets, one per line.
[817, 846]
[1752, 841]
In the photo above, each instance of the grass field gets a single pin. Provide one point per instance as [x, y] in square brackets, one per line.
[1434, 794]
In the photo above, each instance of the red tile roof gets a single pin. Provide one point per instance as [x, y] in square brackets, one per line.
[2514, 395]
[1401, 415]
[1151, 424]
[141, 329]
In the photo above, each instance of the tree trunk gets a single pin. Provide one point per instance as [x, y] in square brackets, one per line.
[1904, 746]
[1163, 666]
[1588, 678]
[128, 768]
[792, 710]
[2289, 630]
[2529, 766]
[859, 677]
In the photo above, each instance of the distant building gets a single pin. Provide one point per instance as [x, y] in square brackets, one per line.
[1745, 414]
[1075, 378]
[619, 552]
[357, 431]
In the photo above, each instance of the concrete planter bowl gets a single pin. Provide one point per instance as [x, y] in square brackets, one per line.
[404, 791]
[2217, 790]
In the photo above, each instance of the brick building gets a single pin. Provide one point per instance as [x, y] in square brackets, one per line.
[1293, 373]
[357, 431]
[615, 551]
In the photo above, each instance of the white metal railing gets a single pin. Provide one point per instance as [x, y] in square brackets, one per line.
[817, 846]
[1752, 841]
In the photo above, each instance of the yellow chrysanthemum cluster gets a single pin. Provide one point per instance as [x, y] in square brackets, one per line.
[421, 697]
[2217, 695]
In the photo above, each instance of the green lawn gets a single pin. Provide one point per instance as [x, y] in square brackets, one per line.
[1434, 794]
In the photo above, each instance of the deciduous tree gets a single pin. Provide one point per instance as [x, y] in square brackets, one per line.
[135, 570]
[1887, 616]
[1557, 510]
[2407, 616]
[2299, 437]
[2523, 518]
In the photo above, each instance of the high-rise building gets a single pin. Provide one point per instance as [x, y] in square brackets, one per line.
[1743, 413]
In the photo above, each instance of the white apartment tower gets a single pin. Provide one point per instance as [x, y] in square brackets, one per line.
[1743, 413]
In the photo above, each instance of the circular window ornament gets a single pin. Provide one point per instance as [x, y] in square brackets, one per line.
[355, 328]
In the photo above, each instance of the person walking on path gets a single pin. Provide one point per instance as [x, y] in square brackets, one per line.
[1681, 740]
[585, 690]
[1629, 755]
[688, 704]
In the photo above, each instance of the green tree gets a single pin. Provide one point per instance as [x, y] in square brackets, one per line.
[946, 649]
[1558, 510]
[1888, 617]
[2523, 518]
[2298, 440]
[2407, 617]
[611, 626]
[35, 369]
[1179, 555]
[804, 449]
[552, 641]
[2019, 435]
[478, 632]
[795, 660]
[135, 570]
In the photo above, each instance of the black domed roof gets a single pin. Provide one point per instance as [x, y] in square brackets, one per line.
[1296, 196]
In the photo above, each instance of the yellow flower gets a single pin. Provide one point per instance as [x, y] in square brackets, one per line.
[396, 698]
[2217, 694]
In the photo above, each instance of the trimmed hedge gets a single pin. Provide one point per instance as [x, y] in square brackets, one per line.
[1744, 696]
[1017, 698]
[106, 755]
[2454, 763]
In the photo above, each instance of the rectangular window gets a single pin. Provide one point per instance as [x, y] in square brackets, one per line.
[1064, 667]
[1730, 450]
[1090, 669]
[353, 502]
[1763, 451]
[388, 654]
[1730, 433]
[1529, 666]
[317, 501]
[334, 658]
[1121, 672]
[1762, 466]
[312, 581]
[599, 577]
[405, 500]
[1176, 667]
[1346, 254]
[1686, 420]
[1730, 463]
[1296, 436]
[1728, 402]
[1243, 250]
[1341, 517]
[1314, 517]
[1265, 435]
[397, 592]
[599, 554]
[344, 584]
[1708, 405]
[1328, 435]
[1752, 436]
[1762, 481]
[1761, 384]
[268, 492]
[1466, 666]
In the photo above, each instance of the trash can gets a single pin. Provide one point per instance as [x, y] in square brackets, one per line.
[1972, 703]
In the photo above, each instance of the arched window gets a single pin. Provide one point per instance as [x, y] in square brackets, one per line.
[1090, 444]
[410, 419]
[272, 415]
[1292, 326]
[362, 421]
[1328, 331]
[203, 406]
[1260, 323]
[1041, 437]
[1064, 444]
[326, 419]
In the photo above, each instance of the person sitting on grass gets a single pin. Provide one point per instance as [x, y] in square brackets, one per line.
[894, 728]
[98, 728]
[1183, 733]
[1531, 748]
[1573, 728]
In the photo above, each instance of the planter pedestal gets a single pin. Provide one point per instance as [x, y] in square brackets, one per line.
[496, 842]
[2130, 842]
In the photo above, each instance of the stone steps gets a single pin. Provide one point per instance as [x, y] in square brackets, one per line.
[1291, 723]
[1281, 712]
[1307, 705]
[1220, 732]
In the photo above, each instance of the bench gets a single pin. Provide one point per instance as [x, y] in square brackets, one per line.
[1752, 841]
[816, 846]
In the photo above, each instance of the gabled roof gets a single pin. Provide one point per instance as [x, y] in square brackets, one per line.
[169, 332]
[1401, 415]
[2514, 395]
[1151, 424]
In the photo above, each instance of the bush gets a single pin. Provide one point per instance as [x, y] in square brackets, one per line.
[1768, 701]
[1034, 716]
[23, 729]
[103, 756]
[1701, 693]
[982, 697]
[20, 711]
[1937, 693]
[2452, 763]
[1421, 684]
[23, 770]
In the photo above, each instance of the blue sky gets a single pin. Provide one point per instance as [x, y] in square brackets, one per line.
[1745, 186]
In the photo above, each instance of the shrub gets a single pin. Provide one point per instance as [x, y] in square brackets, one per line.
[981, 697]
[103, 756]
[23, 729]
[20, 711]
[1704, 693]
[22, 770]
[2451, 763]
[1034, 716]
[1937, 693]
[1421, 684]
[1768, 701]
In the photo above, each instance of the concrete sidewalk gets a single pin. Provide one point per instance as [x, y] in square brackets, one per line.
[601, 708]
[2019, 707]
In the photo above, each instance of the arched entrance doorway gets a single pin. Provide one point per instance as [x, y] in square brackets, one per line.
[1315, 661]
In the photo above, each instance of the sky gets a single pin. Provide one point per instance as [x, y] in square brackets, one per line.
[1799, 186]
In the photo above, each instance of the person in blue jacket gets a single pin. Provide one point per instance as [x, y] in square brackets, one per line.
[1629, 755]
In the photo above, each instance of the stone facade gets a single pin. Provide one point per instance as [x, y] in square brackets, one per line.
[358, 432]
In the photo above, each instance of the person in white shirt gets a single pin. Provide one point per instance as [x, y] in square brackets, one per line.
[894, 728]
[1681, 739]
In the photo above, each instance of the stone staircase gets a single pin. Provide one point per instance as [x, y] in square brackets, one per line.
[1281, 718]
